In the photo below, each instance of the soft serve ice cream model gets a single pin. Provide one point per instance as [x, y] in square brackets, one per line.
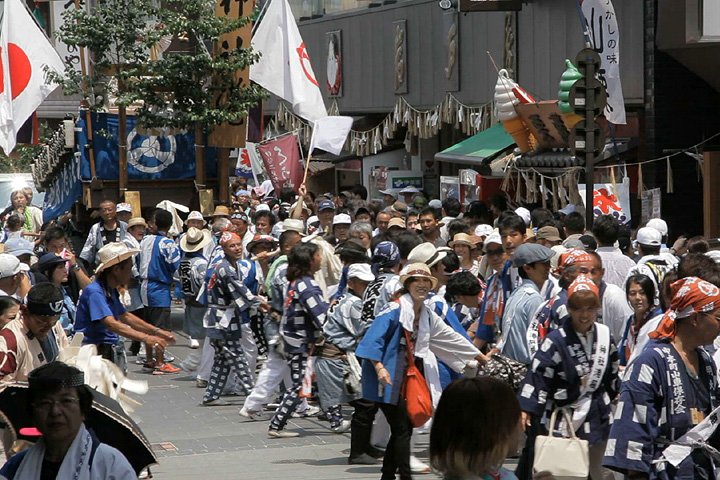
[568, 79]
[507, 95]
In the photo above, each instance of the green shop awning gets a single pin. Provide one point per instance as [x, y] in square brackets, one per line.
[477, 148]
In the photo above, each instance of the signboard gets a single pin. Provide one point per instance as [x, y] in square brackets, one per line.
[490, 5]
[232, 135]
[402, 182]
[650, 205]
[545, 122]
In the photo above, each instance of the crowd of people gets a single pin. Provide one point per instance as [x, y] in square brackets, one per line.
[507, 314]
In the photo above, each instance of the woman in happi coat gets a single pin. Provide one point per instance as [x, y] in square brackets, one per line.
[576, 366]
[301, 326]
[640, 292]
[669, 390]
[384, 347]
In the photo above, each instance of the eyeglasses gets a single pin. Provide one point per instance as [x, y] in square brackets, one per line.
[64, 403]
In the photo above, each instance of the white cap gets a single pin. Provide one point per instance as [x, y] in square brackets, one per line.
[294, 225]
[10, 265]
[195, 215]
[342, 219]
[313, 219]
[435, 203]
[483, 230]
[524, 213]
[494, 237]
[570, 208]
[390, 192]
[123, 207]
[262, 207]
[649, 236]
[361, 271]
[410, 189]
[658, 224]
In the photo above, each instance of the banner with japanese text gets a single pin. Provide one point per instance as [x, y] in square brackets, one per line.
[65, 190]
[604, 34]
[281, 158]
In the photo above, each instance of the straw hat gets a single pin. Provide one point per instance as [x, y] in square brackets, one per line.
[112, 254]
[417, 270]
[426, 253]
[295, 225]
[195, 239]
[221, 211]
[136, 221]
[462, 239]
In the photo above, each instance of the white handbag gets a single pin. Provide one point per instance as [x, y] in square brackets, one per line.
[565, 458]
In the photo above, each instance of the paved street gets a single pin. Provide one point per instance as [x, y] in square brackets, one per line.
[192, 441]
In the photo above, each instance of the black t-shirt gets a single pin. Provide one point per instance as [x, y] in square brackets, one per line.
[49, 470]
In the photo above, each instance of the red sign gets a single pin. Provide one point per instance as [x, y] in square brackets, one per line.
[282, 162]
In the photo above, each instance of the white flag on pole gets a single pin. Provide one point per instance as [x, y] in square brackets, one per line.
[330, 133]
[284, 67]
[24, 52]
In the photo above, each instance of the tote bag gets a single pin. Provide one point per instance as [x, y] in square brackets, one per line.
[415, 390]
[565, 458]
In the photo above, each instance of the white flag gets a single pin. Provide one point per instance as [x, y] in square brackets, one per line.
[605, 38]
[330, 133]
[284, 67]
[24, 52]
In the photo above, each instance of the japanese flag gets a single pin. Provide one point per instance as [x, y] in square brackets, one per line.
[284, 66]
[24, 52]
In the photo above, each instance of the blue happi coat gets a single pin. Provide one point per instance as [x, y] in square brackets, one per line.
[554, 379]
[440, 306]
[656, 407]
[227, 299]
[303, 315]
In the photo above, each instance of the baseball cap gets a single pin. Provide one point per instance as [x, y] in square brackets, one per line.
[342, 219]
[658, 224]
[494, 237]
[361, 271]
[390, 192]
[649, 236]
[262, 207]
[396, 222]
[569, 208]
[360, 210]
[326, 205]
[528, 253]
[435, 203]
[195, 215]
[523, 213]
[18, 246]
[123, 207]
[10, 265]
[483, 230]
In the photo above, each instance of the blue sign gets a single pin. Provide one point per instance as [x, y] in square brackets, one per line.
[149, 157]
[64, 191]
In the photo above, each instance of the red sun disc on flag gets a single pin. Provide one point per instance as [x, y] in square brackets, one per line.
[20, 70]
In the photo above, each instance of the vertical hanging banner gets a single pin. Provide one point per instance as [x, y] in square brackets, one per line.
[232, 135]
[64, 190]
[604, 32]
[611, 199]
[282, 161]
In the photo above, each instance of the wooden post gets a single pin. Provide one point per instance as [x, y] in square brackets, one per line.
[223, 166]
[199, 159]
[711, 194]
[122, 152]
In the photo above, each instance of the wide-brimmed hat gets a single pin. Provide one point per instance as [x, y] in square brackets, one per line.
[137, 222]
[410, 189]
[195, 239]
[112, 254]
[294, 225]
[258, 239]
[48, 262]
[417, 270]
[426, 253]
[390, 192]
[195, 215]
[462, 239]
[221, 211]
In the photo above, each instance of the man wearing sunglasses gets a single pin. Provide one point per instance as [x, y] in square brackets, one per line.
[36, 337]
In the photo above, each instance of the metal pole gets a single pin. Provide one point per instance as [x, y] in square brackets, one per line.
[589, 148]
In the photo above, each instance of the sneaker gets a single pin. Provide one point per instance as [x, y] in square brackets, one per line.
[165, 369]
[310, 411]
[254, 416]
[342, 428]
[218, 402]
[272, 406]
[148, 367]
[375, 452]
[363, 459]
[416, 466]
[168, 357]
[282, 434]
[140, 360]
[200, 383]
[194, 343]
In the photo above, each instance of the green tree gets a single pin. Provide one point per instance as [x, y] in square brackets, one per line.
[178, 90]
[20, 161]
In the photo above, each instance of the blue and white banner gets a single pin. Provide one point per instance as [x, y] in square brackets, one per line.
[149, 157]
[65, 190]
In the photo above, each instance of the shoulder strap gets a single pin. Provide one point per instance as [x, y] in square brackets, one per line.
[409, 348]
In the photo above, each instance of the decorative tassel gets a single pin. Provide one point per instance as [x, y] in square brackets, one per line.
[555, 199]
[641, 188]
[543, 191]
[670, 187]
